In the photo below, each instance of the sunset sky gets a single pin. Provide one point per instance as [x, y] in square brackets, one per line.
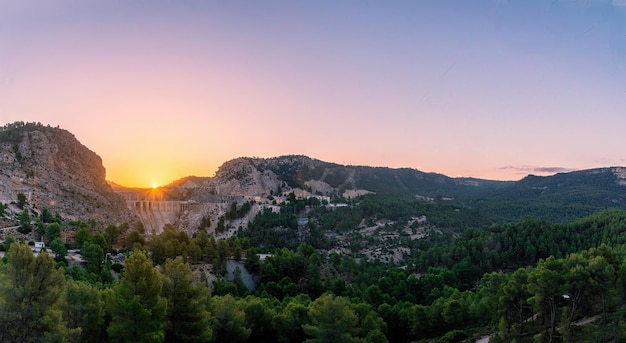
[165, 89]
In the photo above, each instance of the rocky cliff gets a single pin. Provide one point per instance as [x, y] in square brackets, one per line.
[55, 171]
[261, 177]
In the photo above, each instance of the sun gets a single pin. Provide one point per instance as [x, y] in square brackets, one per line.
[155, 186]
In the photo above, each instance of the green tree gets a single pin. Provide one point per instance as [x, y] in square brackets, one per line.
[371, 325]
[46, 216]
[603, 265]
[21, 200]
[7, 242]
[514, 301]
[101, 240]
[187, 317]
[545, 284]
[53, 231]
[259, 314]
[312, 276]
[487, 308]
[82, 307]
[169, 244]
[288, 323]
[114, 232]
[576, 285]
[59, 249]
[94, 257]
[136, 306]
[253, 262]
[133, 238]
[40, 229]
[138, 226]
[331, 320]
[24, 221]
[82, 236]
[229, 320]
[31, 290]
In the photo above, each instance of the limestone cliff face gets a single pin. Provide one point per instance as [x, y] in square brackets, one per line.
[244, 176]
[55, 171]
[261, 177]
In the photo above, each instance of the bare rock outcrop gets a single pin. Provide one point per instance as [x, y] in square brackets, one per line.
[55, 171]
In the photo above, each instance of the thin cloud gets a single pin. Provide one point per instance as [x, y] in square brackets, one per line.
[609, 161]
[538, 170]
[553, 170]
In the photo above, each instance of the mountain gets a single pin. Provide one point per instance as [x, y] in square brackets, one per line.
[55, 171]
[559, 198]
[248, 176]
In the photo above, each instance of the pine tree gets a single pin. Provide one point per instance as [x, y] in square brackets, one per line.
[29, 295]
[187, 316]
[83, 312]
[136, 306]
[332, 320]
[228, 322]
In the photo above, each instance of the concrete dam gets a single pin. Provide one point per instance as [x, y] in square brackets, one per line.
[153, 212]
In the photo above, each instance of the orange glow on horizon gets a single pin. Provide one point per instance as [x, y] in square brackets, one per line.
[154, 176]
[155, 171]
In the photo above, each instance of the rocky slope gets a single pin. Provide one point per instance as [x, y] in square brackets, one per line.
[55, 171]
[560, 198]
[270, 176]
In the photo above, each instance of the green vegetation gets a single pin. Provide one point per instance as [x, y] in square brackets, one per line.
[12, 132]
[30, 290]
[458, 277]
[463, 258]
[136, 305]
[560, 198]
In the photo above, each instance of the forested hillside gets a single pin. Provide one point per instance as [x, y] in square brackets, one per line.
[459, 280]
[561, 198]
[293, 249]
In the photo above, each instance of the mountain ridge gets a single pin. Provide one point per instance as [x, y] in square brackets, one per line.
[57, 172]
[569, 195]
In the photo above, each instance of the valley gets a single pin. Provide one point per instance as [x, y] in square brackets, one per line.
[269, 248]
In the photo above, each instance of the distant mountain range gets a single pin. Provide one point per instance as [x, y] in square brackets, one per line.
[559, 198]
[57, 172]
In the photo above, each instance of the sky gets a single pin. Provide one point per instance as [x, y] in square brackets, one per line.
[165, 89]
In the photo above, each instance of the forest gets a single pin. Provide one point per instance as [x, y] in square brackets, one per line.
[524, 281]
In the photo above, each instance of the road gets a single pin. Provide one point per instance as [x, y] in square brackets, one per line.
[246, 277]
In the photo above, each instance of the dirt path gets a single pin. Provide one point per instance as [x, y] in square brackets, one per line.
[580, 322]
[484, 339]
[586, 320]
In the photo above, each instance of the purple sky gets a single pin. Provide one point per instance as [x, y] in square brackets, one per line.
[166, 89]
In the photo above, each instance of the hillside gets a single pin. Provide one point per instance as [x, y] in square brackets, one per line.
[408, 256]
[56, 172]
[562, 197]
[559, 198]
